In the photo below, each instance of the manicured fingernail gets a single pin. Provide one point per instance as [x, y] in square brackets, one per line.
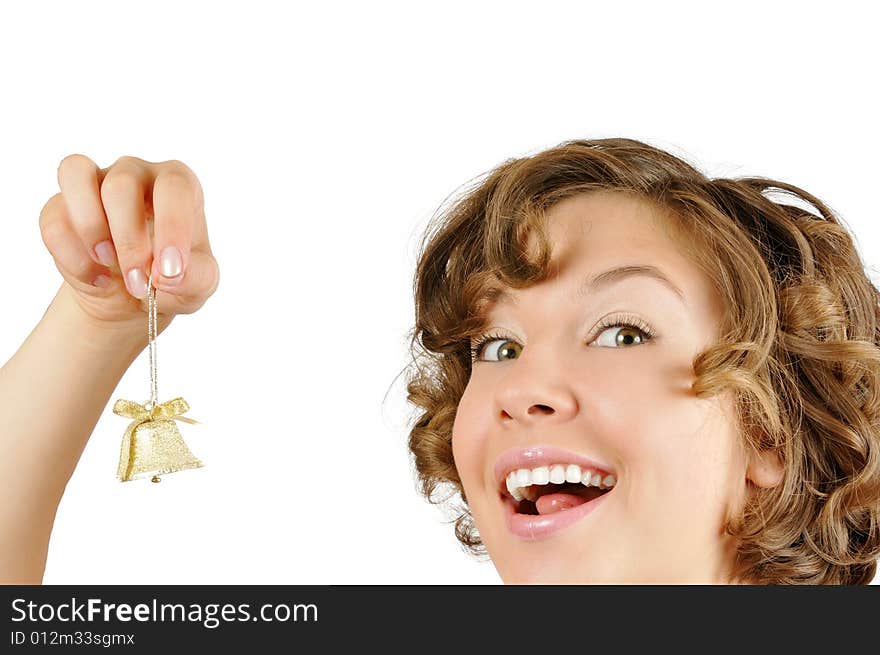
[170, 262]
[101, 281]
[137, 283]
[106, 254]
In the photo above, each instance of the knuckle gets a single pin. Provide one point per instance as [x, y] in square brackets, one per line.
[175, 179]
[179, 183]
[53, 235]
[50, 210]
[119, 182]
[51, 232]
[74, 162]
[177, 166]
[216, 282]
[126, 161]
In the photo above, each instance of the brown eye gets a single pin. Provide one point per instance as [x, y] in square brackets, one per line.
[497, 350]
[621, 336]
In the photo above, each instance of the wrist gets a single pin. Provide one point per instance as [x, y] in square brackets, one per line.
[124, 336]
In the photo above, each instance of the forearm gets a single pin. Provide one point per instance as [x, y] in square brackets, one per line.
[52, 393]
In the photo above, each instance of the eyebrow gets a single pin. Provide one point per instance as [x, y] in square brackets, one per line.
[604, 280]
[614, 275]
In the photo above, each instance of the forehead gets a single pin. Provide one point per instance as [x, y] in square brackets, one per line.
[601, 239]
[592, 223]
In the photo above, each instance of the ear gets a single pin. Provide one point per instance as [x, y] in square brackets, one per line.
[765, 468]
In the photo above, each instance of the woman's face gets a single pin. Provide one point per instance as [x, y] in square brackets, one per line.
[556, 391]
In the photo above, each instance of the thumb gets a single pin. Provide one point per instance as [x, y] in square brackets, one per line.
[196, 283]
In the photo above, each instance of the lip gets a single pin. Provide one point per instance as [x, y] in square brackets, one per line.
[527, 458]
[540, 526]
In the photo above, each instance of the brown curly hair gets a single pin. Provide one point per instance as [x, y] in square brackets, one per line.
[798, 347]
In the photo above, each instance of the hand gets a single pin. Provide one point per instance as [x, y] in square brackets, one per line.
[110, 227]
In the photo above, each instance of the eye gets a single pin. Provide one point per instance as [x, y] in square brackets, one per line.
[622, 335]
[623, 332]
[501, 348]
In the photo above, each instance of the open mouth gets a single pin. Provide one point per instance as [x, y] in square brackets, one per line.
[547, 490]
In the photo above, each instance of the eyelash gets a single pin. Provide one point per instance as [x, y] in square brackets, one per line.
[615, 321]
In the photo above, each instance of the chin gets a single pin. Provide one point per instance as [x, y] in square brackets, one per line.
[537, 578]
[532, 569]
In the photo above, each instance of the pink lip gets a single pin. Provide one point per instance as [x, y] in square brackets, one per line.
[527, 458]
[538, 526]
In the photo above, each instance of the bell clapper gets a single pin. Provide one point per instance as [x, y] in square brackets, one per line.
[155, 478]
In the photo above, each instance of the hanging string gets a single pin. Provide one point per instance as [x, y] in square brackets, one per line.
[151, 337]
[152, 444]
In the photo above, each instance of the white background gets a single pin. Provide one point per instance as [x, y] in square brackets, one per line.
[325, 137]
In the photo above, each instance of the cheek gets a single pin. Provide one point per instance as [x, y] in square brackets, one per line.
[676, 451]
[470, 434]
[639, 403]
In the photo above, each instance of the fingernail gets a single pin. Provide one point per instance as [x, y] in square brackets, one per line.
[101, 281]
[170, 262]
[106, 254]
[137, 283]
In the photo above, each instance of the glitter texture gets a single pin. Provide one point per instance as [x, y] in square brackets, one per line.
[152, 444]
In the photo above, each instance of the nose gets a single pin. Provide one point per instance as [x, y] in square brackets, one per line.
[533, 392]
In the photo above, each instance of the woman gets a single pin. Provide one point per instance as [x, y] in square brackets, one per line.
[631, 373]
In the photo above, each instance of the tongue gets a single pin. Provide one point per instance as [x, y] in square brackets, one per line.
[557, 502]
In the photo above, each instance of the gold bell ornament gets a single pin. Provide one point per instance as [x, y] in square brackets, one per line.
[152, 444]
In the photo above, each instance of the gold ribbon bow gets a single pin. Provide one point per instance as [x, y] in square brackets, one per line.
[152, 444]
[140, 413]
[163, 450]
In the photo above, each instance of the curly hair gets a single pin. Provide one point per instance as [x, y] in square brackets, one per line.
[799, 344]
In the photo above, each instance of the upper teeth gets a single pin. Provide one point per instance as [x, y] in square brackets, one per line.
[519, 481]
